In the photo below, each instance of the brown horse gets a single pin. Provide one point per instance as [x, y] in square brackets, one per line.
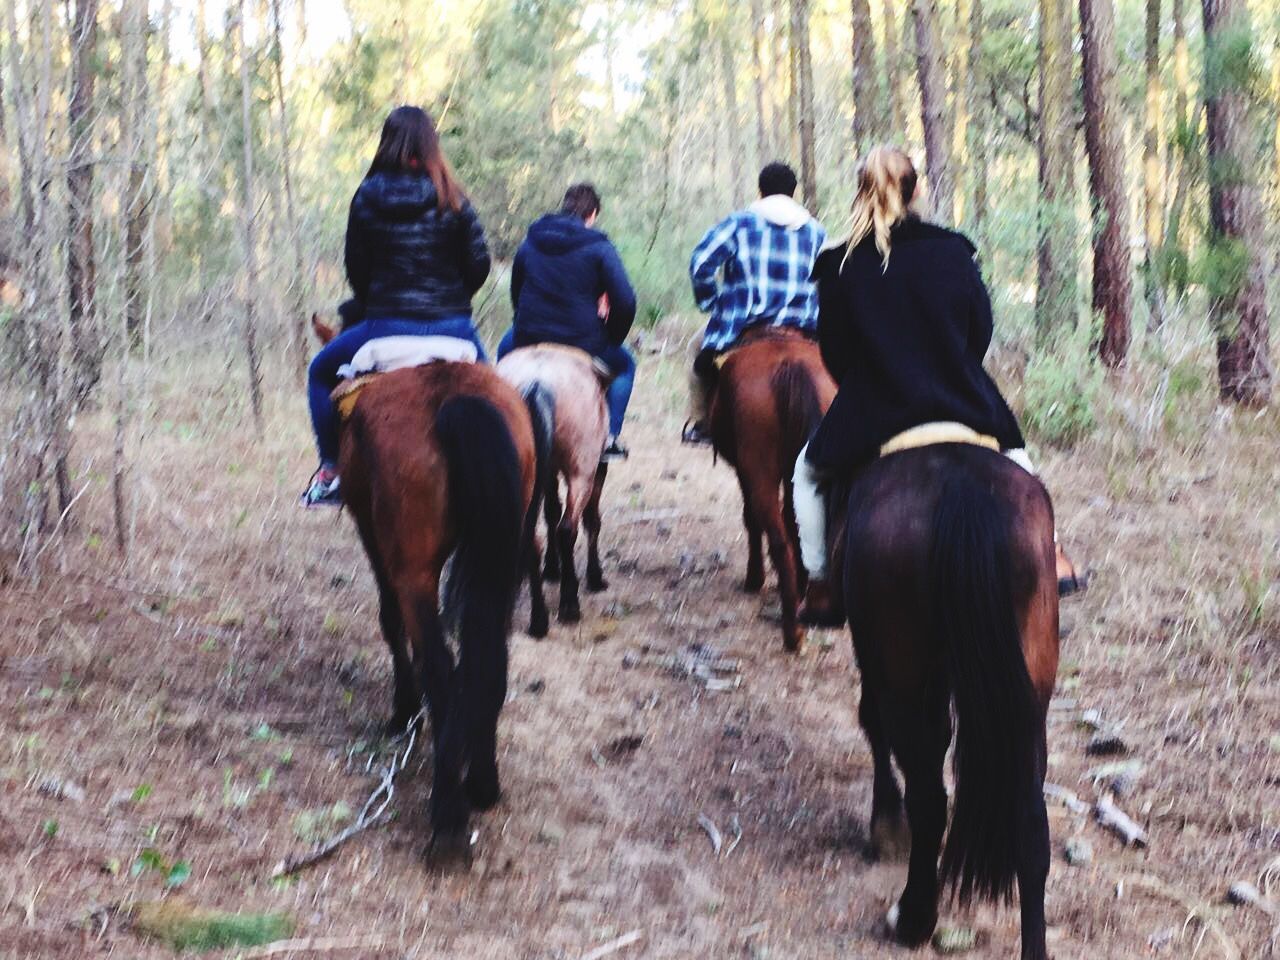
[950, 585]
[770, 393]
[440, 461]
[579, 428]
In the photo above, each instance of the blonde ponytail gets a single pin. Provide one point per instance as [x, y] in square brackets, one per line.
[886, 186]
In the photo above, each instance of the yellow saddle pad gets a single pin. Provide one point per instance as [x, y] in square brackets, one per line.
[344, 394]
[938, 432]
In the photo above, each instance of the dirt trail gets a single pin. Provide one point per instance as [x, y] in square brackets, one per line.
[218, 708]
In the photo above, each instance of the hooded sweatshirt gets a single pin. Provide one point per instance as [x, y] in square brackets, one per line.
[557, 278]
[406, 258]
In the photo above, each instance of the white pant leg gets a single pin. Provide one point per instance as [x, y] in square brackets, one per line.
[811, 516]
[1019, 456]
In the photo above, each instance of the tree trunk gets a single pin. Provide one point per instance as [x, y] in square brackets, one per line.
[1184, 119]
[933, 110]
[86, 345]
[893, 71]
[1236, 284]
[248, 216]
[1112, 294]
[804, 101]
[133, 22]
[1151, 173]
[202, 61]
[976, 135]
[298, 326]
[757, 79]
[1055, 271]
[868, 113]
[729, 76]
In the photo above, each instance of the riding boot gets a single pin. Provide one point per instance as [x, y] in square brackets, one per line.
[697, 428]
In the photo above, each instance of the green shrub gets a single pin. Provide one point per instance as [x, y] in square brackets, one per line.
[1060, 392]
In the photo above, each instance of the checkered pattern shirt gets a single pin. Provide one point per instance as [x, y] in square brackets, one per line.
[766, 276]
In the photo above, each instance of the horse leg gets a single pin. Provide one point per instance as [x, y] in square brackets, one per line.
[767, 507]
[483, 668]
[407, 698]
[793, 532]
[1033, 858]
[923, 731]
[538, 617]
[552, 512]
[567, 534]
[591, 520]
[449, 808]
[890, 836]
[754, 581]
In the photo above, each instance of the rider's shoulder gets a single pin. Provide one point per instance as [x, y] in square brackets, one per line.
[918, 229]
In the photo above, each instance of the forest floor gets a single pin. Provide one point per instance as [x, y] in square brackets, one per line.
[177, 726]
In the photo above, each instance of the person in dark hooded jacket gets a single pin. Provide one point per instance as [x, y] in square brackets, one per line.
[415, 256]
[568, 286]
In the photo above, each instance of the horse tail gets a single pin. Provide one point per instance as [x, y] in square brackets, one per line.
[486, 493]
[541, 403]
[999, 752]
[799, 408]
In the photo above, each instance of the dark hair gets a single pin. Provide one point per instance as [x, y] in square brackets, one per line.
[581, 200]
[410, 143]
[777, 178]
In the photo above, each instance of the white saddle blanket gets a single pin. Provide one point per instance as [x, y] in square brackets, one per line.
[384, 354]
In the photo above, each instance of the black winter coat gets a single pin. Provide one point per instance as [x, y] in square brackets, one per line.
[905, 343]
[406, 258]
[557, 278]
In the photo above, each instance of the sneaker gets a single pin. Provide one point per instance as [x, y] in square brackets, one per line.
[613, 451]
[695, 434]
[323, 490]
[1069, 581]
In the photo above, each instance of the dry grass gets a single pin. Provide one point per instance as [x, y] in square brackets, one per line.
[216, 697]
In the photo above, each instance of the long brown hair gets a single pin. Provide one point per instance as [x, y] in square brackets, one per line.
[886, 186]
[411, 143]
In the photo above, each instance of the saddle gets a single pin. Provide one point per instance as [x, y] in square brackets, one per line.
[941, 431]
[764, 333]
[385, 354]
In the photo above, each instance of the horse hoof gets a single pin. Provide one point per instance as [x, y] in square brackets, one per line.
[551, 571]
[450, 853]
[539, 626]
[569, 615]
[753, 584]
[793, 642]
[597, 585]
[891, 839]
[908, 930]
[398, 725]
[483, 792]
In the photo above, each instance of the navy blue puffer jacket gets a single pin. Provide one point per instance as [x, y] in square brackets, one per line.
[557, 278]
[406, 258]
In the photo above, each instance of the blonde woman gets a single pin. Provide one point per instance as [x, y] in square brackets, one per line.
[904, 322]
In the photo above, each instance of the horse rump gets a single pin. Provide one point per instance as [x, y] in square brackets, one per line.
[999, 746]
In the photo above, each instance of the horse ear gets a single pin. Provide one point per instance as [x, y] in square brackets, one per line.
[324, 333]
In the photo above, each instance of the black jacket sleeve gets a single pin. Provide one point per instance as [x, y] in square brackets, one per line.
[835, 325]
[356, 253]
[981, 322]
[475, 252]
[622, 298]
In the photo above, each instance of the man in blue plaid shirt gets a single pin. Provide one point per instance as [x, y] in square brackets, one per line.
[753, 269]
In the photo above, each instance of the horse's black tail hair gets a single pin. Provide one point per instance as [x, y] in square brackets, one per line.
[541, 404]
[999, 723]
[485, 502]
[799, 409]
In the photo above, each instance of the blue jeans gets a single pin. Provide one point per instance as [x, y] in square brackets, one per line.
[323, 375]
[621, 363]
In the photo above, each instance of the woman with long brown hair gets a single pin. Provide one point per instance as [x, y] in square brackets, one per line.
[415, 256]
[904, 323]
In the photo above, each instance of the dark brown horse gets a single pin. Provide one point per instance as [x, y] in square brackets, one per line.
[950, 586]
[441, 461]
[770, 393]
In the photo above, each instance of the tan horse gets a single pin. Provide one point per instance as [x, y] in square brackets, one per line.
[770, 394]
[573, 386]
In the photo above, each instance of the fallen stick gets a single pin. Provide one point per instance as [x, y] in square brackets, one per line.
[314, 945]
[1066, 797]
[717, 841]
[1116, 820]
[370, 815]
[613, 946]
[736, 825]
[1200, 912]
